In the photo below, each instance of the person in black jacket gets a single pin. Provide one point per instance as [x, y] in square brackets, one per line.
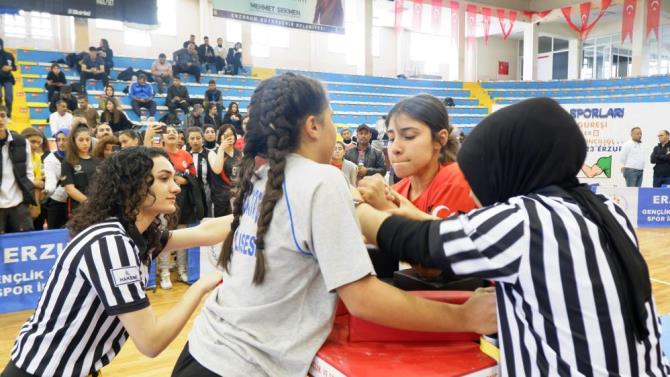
[7, 65]
[369, 160]
[234, 117]
[115, 118]
[661, 157]
[177, 97]
[234, 59]
[65, 94]
[55, 80]
[17, 188]
[107, 54]
[206, 55]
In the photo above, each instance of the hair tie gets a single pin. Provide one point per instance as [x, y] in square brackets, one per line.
[272, 126]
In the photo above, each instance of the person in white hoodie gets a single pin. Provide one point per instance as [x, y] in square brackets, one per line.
[632, 159]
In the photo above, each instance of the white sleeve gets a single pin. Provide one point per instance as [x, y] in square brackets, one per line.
[30, 172]
[50, 176]
[623, 156]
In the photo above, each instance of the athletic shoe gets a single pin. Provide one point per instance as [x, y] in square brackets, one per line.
[166, 283]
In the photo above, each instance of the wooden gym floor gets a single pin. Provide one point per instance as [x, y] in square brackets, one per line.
[654, 243]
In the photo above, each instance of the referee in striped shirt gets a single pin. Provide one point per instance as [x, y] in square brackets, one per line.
[94, 298]
[573, 291]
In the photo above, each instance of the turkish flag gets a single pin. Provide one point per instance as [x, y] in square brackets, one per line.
[653, 16]
[436, 15]
[454, 6]
[417, 14]
[398, 14]
[471, 12]
[628, 19]
[502, 18]
[486, 22]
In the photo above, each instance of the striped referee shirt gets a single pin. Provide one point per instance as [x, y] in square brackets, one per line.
[559, 310]
[75, 330]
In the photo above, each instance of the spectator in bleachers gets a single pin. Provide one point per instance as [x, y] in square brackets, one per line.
[107, 55]
[16, 179]
[214, 96]
[632, 159]
[85, 111]
[220, 52]
[202, 160]
[185, 173]
[369, 160]
[347, 167]
[36, 140]
[346, 139]
[234, 117]
[93, 67]
[129, 138]
[55, 80]
[181, 139]
[191, 39]
[79, 165]
[196, 118]
[161, 70]
[7, 65]
[56, 204]
[60, 119]
[213, 117]
[234, 59]
[103, 130]
[177, 97]
[186, 61]
[142, 95]
[661, 157]
[65, 94]
[115, 118]
[206, 55]
[105, 147]
[239, 144]
[209, 133]
[109, 95]
[225, 169]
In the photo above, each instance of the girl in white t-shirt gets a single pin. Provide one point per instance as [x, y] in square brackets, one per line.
[294, 246]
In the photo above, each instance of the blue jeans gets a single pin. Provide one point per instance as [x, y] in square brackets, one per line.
[660, 181]
[633, 177]
[9, 96]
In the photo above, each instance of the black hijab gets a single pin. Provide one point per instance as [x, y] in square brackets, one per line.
[534, 144]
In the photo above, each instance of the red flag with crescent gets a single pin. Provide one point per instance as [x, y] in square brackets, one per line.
[628, 20]
[653, 16]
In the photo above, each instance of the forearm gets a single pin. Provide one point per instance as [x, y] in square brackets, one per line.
[75, 194]
[208, 233]
[391, 307]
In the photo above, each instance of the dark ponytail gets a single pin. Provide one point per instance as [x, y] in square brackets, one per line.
[277, 111]
[432, 112]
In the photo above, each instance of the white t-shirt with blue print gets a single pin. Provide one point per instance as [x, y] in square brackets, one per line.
[313, 246]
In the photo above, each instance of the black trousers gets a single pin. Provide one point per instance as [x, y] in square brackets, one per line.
[56, 214]
[187, 366]
[15, 219]
[85, 76]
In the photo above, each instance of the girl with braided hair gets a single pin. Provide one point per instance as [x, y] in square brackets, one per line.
[294, 246]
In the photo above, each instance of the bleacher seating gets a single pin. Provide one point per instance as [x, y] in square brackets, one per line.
[633, 89]
[355, 99]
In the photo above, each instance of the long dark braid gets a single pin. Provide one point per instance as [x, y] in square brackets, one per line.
[278, 108]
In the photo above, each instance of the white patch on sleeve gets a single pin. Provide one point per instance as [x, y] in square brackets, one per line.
[125, 275]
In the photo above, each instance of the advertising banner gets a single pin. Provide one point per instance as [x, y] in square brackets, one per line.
[315, 15]
[135, 11]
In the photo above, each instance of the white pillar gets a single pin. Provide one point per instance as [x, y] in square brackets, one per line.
[530, 46]
[367, 44]
[640, 64]
[205, 15]
[574, 58]
[462, 48]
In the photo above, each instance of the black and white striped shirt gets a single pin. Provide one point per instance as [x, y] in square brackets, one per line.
[75, 330]
[559, 311]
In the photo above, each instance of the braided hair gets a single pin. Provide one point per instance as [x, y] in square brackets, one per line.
[277, 111]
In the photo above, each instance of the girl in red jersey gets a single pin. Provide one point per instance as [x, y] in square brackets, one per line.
[422, 153]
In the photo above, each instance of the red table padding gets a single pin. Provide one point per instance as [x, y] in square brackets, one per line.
[341, 358]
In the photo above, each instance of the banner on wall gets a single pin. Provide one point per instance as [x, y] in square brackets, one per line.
[135, 11]
[606, 128]
[314, 15]
[27, 259]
